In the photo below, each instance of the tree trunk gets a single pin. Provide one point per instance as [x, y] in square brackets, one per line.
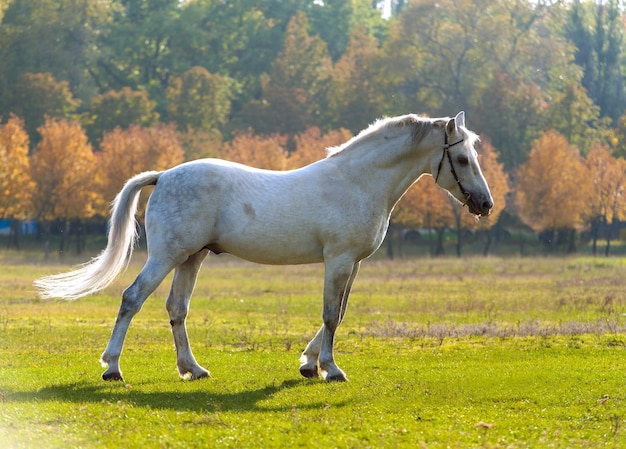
[595, 227]
[64, 235]
[552, 241]
[607, 249]
[14, 235]
[439, 251]
[80, 237]
[459, 237]
[571, 242]
[487, 243]
[400, 243]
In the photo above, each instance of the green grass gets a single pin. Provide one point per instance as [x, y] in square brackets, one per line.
[507, 353]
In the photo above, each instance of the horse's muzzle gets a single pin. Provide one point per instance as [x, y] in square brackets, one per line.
[479, 205]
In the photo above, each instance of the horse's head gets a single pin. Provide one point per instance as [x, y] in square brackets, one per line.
[457, 169]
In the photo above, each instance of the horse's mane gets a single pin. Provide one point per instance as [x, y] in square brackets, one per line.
[420, 127]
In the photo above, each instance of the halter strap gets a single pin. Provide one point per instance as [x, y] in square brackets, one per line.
[446, 147]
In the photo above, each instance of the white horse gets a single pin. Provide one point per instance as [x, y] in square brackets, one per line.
[334, 211]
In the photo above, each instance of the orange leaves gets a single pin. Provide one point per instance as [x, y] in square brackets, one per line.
[311, 145]
[553, 187]
[128, 152]
[257, 151]
[270, 152]
[425, 205]
[73, 182]
[608, 176]
[64, 167]
[16, 184]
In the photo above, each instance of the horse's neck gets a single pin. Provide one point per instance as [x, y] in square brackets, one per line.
[389, 166]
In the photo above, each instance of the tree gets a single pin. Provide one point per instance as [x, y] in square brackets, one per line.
[574, 115]
[199, 100]
[446, 56]
[511, 112]
[52, 36]
[597, 30]
[281, 110]
[550, 186]
[607, 203]
[136, 47]
[122, 109]
[300, 71]
[64, 168]
[443, 53]
[619, 141]
[201, 144]
[311, 145]
[127, 152]
[16, 184]
[239, 39]
[336, 20]
[354, 94]
[267, 152]
[39, 95]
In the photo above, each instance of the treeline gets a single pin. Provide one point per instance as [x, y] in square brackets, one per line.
[104, 89]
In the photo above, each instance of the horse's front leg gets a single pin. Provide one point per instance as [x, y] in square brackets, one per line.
[338, 278]
[178, 306]
[310, 355]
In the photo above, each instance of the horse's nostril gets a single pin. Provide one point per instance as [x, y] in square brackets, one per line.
[487, 205]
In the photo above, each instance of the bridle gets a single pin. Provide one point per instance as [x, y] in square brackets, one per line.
[446, 147]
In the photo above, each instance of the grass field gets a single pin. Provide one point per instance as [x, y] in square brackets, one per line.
[460, 353]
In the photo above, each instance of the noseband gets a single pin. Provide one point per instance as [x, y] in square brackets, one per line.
[446, 148]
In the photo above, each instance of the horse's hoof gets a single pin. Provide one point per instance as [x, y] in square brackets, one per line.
[112, 377]
[339, 377]
[309, 372]
[202, 375]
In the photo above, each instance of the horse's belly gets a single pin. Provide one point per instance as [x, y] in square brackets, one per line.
[272, 250]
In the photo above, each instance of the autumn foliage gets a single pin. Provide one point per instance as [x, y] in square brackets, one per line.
[263, 152]
[16, 184]
[311, 145]
[553, 187]
[127, 152]
[271, 152]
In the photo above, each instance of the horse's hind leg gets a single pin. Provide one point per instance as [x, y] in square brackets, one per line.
[310, 355]
[133, 298]
[178, 305]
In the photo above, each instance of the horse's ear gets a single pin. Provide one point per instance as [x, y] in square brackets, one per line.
[460, 119]
[454, 123]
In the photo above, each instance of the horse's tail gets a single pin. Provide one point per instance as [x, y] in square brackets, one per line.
[102, 270]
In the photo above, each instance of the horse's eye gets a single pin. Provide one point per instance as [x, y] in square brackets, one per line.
[463, 160]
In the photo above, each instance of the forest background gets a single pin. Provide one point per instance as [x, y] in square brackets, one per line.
[95, 91]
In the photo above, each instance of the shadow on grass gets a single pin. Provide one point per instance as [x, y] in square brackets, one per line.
[198, 401]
